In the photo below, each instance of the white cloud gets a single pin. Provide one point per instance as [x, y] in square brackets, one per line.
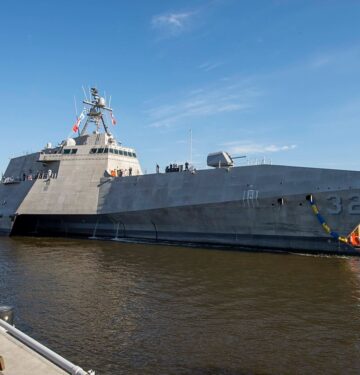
[174, 23]
[204, 102]
[208, 66]
[327, 58]
[320, 61]
[255, 148]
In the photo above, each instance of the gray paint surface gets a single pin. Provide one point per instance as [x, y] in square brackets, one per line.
[252, 206]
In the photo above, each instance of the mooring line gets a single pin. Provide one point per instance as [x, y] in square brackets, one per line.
[322, 221]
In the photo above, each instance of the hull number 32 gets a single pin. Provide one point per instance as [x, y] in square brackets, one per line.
[337, 205]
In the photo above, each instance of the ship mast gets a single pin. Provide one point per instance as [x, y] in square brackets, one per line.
[95, 113]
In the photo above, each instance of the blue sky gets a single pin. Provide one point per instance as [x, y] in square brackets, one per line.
[279, 79]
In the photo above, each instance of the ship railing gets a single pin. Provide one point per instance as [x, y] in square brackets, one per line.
[261, 161]
[60, 361]
[50, 157]
[29, 177]
[10, 180]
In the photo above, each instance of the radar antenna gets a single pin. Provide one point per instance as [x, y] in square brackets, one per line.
[95, 113]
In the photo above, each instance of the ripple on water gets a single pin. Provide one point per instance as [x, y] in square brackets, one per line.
[134, 308]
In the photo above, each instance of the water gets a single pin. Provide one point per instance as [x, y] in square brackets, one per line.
[144, 309]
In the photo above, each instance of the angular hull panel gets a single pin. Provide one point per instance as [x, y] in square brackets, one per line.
[264, 227]
[259, 207]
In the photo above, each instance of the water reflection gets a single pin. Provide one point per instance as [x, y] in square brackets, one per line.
[126, 308]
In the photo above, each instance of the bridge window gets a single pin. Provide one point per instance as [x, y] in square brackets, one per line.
[93, 151]
[74, 151]
[106, 150]
[100, 150]
[125, 153]
[116, 152]
[121, 152]
[67, 151]
[134, 155]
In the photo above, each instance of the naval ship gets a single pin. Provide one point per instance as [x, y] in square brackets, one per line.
[90, 185]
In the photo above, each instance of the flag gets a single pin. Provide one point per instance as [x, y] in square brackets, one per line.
[113, 119]
[75, 127]
[81, 117]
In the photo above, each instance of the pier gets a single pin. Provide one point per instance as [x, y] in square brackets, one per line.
[19, 359]
[22, 355]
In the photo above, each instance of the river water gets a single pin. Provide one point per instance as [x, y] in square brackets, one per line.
[123, 308]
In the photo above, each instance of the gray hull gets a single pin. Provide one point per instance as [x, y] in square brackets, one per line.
[264, 227]
[254, 207]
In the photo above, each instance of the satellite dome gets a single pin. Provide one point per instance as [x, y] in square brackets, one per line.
[70, 142]
[101, 102]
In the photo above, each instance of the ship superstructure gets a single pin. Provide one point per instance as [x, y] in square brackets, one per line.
[91, 185]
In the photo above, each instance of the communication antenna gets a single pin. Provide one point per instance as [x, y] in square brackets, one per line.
[191, 151]
[107, 118]
[85, 93]
[76, 111]
[95, 112]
